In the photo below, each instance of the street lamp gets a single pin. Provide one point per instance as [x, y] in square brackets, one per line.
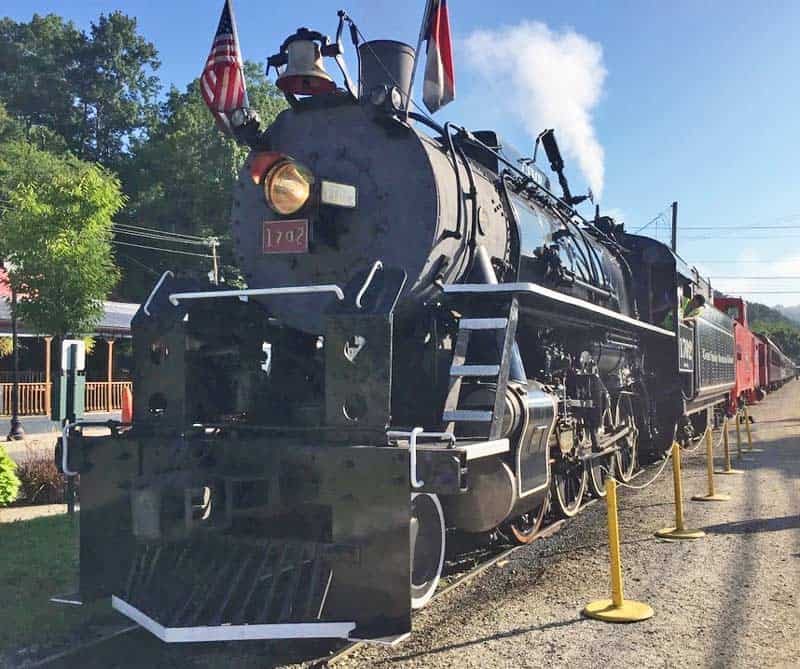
[16, 432]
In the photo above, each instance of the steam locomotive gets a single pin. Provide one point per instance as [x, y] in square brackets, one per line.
[431, 343]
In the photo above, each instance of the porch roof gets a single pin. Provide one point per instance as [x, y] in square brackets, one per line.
[116, 321]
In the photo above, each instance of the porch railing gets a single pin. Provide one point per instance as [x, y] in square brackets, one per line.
[99, 396]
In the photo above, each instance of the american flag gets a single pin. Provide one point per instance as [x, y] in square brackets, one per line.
[222, 83]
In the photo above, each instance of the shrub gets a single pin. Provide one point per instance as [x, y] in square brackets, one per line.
[9, 483]
[40, 480]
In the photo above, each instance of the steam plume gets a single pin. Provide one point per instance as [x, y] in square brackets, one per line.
[549, 80]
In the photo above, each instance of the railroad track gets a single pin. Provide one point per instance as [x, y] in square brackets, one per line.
[546, 532]
[466, 577]
[323, 663]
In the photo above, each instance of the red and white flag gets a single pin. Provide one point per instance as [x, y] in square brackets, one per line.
[440, 78]
[222, 82]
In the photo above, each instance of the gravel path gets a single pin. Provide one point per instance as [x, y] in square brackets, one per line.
[728, 600]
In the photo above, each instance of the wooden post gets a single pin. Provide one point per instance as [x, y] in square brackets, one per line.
[110, 395]
[48, 360]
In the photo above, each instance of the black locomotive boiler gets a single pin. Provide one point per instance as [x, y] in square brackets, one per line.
[430, 342]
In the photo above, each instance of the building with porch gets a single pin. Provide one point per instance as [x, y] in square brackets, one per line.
[107, 365]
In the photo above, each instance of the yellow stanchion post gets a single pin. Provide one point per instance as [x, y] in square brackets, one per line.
[679, 531]
[711, 496]
[749, 448]
[617, 609]
[738, 437]
[728, 469]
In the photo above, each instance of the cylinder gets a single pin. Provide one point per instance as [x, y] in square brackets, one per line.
[385, 63]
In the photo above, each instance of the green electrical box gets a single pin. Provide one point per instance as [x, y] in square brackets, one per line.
[69, 384]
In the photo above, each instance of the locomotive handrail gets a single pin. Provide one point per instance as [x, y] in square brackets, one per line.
[65, 440]
[146, 307]
[412, 447]
[535, 289]
[375, 267]
[175, 298]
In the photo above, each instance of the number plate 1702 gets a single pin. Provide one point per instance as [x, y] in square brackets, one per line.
[285, 236]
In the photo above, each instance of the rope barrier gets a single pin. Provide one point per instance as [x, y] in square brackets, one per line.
[610, 476]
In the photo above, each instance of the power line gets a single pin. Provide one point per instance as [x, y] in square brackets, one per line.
[138, 262]
[766, 292]
[160, 237]
[166, 232]
[162, 250]
[760, 278]
[740, 227]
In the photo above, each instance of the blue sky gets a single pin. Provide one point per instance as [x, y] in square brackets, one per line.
[700, 102]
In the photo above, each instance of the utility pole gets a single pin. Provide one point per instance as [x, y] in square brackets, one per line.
[674, 227]
[213, 242]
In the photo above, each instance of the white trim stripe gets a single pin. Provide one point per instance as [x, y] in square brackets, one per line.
[340, 630]
[536, 289]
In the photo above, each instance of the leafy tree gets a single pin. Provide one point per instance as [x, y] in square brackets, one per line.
[55, 229]
[787, 337]
[782, 330]
[9, 482]
[182, 174]
[94, 90]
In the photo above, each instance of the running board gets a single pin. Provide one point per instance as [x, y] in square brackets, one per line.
[319, 630]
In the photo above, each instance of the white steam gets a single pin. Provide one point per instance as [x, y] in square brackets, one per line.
[549, 80]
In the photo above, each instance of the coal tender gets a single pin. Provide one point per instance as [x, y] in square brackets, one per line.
[430, 343]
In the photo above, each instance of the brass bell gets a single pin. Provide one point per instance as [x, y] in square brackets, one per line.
[305, 73]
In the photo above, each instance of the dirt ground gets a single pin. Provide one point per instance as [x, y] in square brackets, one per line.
[728, 600]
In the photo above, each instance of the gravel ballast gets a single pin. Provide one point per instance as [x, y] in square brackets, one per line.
[728, 600]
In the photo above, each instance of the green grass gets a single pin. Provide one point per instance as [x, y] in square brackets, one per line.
[39, 559]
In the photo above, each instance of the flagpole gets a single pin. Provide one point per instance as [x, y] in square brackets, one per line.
[235, 31]
[425, 20]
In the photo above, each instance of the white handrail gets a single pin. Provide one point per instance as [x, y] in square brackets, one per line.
[175, 298]
[146, 307]
[375, 267]
[65, 442]
[412, 447]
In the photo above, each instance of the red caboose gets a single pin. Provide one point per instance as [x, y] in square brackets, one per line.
[747, 359]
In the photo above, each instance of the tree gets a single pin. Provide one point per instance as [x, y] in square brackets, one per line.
[181, 177]
[55, 230]
[95, 90]
[9, 482]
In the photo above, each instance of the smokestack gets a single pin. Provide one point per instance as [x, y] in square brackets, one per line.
[385, 63]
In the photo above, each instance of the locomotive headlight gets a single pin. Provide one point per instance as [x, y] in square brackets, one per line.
[287, 187]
